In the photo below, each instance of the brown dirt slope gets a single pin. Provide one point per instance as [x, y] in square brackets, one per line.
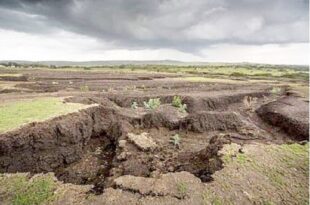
[289, 113]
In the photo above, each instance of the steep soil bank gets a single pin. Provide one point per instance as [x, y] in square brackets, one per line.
[291, 114]
[211, 121]
[13, 78]
[196, 101]
[44, 146]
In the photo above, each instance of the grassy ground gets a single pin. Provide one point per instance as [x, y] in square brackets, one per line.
[261, 174]
[301, 88]
[19, 189]
[40, 189]
[13, 115]
[232, 70]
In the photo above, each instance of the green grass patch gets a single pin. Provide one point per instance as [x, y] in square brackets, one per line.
[13, 115]
[262, 169]
[242, 158]
[182, 189]
[24, 191]
[296, 149]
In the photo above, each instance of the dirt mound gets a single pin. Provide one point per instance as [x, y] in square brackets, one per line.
[126, 101]
[289, 113]
[196, 101]
[210, 101]
[91, 100]
[164, 116]
[210, 121]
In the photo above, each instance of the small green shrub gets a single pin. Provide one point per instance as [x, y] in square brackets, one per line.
[152, 104]
[183, 108]
[134, 105]
[84, 88]
[175, 140]
[177, 102]
[87, 68]
[182, 189]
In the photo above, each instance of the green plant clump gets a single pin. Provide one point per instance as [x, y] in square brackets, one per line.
[182, 189]
[177, 102]
[152, 104]
[175, 140]
[183, 108]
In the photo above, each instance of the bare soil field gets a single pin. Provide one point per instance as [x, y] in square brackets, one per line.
[235, 142]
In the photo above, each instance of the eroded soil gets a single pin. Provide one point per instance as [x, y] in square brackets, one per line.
[120, 154]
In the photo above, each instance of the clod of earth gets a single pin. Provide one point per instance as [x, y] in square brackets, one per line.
[142, 141]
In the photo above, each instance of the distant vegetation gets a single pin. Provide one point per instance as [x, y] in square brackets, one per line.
[207, 69]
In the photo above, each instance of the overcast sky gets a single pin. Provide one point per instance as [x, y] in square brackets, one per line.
[264, 31]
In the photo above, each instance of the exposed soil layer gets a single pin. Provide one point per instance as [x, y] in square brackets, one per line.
[92, 146]
[13, 78]
[87, 148]
[111, 144]
[289, 113]
[45, 146]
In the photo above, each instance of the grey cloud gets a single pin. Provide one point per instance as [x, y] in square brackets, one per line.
[181, 24]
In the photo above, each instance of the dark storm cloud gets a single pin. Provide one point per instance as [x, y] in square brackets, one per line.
[182, 24]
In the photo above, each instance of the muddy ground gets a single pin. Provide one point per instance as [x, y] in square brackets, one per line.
[116, 154]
